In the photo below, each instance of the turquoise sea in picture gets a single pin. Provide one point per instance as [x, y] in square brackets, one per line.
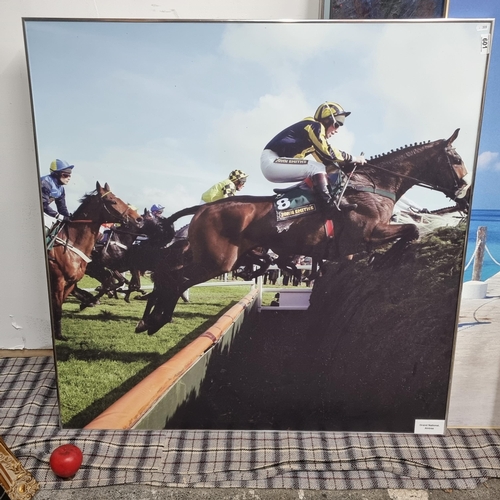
[491, 220]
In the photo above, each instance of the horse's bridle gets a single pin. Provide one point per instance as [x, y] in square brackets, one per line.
[458, 182]
[456, 179]
[122, 217]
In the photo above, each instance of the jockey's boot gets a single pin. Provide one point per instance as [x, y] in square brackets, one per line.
[320, 187]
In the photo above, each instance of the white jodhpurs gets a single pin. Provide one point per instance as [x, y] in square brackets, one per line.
[48, 222]
[280, 169]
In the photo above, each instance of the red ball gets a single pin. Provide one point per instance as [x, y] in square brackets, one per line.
[66, 460]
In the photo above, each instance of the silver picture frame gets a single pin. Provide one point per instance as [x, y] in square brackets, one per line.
[161, 110]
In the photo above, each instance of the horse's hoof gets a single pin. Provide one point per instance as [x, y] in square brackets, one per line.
[152, 330]
[141, 327]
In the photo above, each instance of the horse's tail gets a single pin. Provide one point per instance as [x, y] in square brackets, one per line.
[169, 221]
[181, 213]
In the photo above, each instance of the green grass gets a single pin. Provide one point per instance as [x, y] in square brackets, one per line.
[103, 357]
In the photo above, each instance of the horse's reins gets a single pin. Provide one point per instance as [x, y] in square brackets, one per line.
[122, 215]
[418, 181]
[87, 221]
[123, 231]
[74, 249]
[403, 176]
[345, 187]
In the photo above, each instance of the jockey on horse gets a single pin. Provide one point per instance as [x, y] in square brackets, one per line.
[284, 157]
[157, 210]
[228, 187]
[52, 189]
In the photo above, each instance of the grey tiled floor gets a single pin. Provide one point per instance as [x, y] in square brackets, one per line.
[486, 491]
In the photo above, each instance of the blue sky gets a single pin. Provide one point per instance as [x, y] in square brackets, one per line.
[163, 110]
[486, 195]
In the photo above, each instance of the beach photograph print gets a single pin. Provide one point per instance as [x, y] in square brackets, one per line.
[255, 225]
[474, 396]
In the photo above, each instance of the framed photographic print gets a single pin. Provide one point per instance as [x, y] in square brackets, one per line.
[186, 292]
[380, 9]
[467, 408]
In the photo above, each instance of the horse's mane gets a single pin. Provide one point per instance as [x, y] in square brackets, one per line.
[86, 196]
[407, 150]
[84, 201]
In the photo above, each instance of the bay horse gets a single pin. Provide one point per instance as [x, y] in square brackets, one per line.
[223, 232]
[68, 258]
[109, 261]
[126, 247]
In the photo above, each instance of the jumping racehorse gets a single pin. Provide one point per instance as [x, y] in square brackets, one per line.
[121, 250]
[68, 258]
[223, 232]
[109, 261]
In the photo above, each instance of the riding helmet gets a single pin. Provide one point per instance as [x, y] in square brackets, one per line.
[157, 208]
[237, 176]
[329, 112]
[60, 166]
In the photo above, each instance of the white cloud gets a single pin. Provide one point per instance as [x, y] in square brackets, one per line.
[283, 49]
[489, 160]
[418, 73]
[272, 44]
[159, 172]
[183, 121]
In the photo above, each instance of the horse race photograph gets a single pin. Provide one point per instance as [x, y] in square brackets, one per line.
[256, 225]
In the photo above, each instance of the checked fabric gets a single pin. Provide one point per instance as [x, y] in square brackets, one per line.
[29, 424]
